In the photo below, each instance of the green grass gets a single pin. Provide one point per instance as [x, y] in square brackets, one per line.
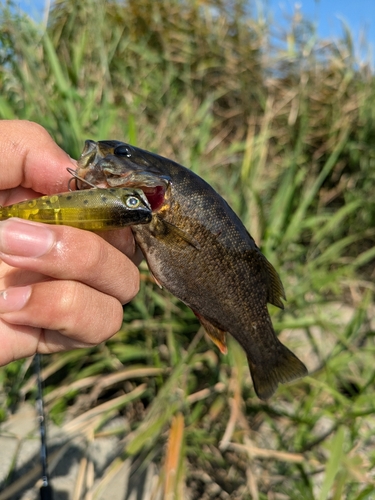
[286, 134]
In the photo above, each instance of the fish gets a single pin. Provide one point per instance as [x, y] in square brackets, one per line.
[197, 248]
[93, 209]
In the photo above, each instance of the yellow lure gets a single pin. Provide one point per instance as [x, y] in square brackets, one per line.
[93, 209]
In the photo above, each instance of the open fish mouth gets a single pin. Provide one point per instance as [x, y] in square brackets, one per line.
[155, 196]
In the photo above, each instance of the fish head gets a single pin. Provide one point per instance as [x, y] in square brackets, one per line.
[107, 164]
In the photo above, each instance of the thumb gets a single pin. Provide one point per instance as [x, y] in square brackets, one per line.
[30, 158]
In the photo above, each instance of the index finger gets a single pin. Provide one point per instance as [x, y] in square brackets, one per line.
[30, 158]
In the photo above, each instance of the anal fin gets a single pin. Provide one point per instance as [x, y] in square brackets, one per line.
[156, 281]
[218, 336]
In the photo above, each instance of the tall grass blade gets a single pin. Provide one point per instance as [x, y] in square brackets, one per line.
[333, 465]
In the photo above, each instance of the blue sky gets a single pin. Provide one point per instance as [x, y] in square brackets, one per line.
[327, 15]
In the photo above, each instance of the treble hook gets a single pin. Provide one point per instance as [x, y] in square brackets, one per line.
[77, 177]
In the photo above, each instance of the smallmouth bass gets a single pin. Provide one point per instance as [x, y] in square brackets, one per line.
[93, 209]
[199, 250]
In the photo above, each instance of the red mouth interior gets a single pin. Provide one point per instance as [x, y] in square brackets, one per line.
[155, 196]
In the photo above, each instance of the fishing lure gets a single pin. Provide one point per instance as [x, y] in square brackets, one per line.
[93, 209]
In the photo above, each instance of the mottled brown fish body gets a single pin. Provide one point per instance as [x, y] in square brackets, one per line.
[199, 250]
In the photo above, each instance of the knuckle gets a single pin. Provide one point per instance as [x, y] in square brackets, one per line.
[77, 312]
[34, 132]
[111, 270]
[92, 315]
[96, 258]
[88, 251]
[114, 316]
[28, 133]
[96, 263]
[133, 282]
[68, 301]
[36, 128]
[106, 321]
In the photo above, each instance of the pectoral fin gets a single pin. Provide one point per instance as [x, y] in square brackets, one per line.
[168, 230]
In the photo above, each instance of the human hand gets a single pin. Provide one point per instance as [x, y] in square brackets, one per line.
[60, 287]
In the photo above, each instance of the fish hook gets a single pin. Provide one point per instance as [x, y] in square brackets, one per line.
[77, 177]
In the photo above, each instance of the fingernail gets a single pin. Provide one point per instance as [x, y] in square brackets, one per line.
[14, 298]
[23, 238]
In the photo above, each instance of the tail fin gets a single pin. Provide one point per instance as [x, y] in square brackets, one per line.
[282, 367]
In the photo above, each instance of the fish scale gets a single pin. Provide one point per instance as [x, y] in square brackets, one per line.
[199, 250]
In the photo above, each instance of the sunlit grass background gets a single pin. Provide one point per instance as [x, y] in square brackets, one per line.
[285, 131]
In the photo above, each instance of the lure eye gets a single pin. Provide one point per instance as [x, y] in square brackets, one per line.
[132, 202]
[122, 151]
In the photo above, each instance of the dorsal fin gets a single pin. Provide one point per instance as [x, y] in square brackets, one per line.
[275, 289]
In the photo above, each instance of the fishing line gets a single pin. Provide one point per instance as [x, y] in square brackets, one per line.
[46, 492]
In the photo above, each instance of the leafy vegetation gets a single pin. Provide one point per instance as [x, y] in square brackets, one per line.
[285, 132]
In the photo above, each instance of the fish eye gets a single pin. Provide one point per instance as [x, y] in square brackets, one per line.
[122, 151]
[132, 202]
